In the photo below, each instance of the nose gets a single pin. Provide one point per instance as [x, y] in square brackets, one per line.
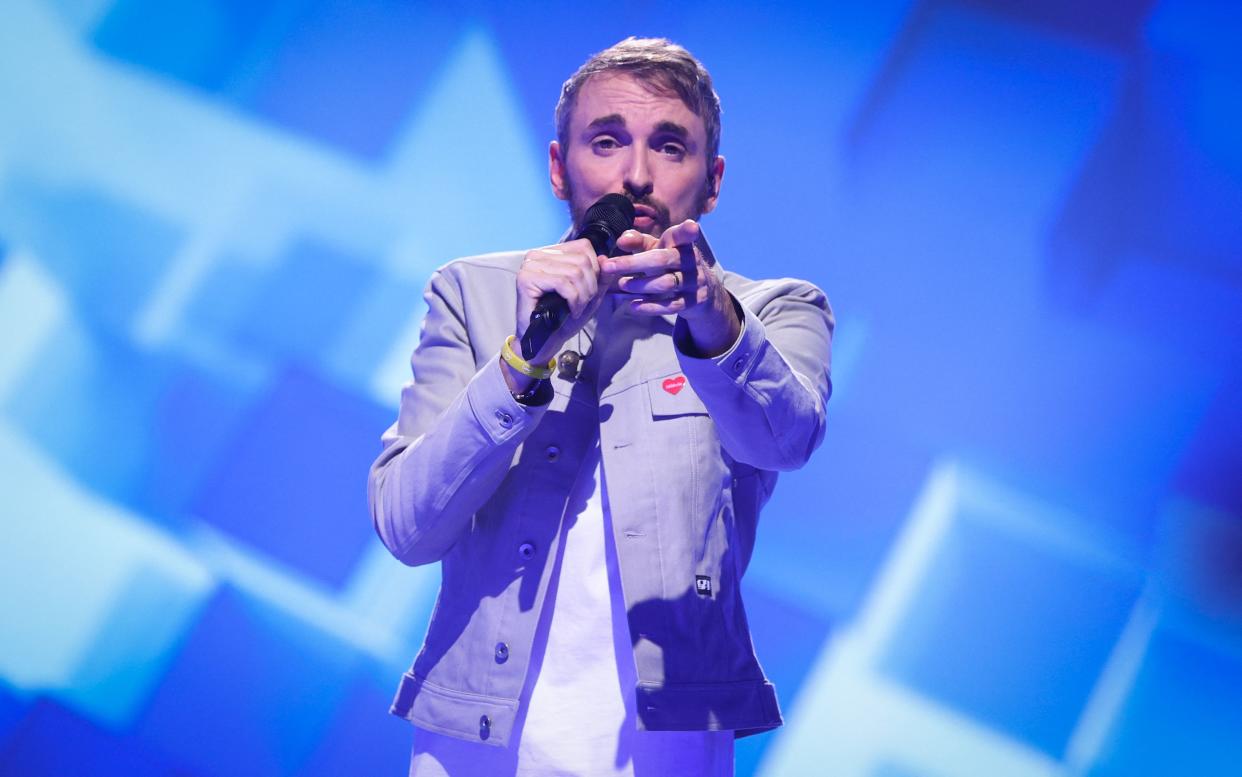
[638, 183]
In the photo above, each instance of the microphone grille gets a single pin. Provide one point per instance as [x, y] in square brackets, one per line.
[614, 211]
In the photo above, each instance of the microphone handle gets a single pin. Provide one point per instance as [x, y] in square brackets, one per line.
[552, 309]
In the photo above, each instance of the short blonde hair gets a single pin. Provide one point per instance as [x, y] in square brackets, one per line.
[659, 63]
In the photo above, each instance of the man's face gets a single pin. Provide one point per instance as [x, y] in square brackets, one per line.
[626, 138]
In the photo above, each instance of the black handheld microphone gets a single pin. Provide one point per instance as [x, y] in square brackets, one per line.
[603, 223]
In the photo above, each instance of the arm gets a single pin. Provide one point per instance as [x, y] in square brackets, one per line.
[760, 365]
[768, 392]
[459, 427]
[454, 440]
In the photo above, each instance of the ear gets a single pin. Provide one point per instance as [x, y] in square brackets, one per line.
[714, 177]
[556, 171]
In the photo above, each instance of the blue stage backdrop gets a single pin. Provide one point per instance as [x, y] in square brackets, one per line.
[1018, 553]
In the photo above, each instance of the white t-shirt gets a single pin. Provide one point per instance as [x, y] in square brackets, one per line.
[581, 717]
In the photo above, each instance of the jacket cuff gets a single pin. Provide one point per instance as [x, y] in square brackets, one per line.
[734, 365]
[495, 409]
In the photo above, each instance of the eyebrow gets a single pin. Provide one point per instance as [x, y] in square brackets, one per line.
[672, 128]
[667, 127]
[617, 120]
[611, 120]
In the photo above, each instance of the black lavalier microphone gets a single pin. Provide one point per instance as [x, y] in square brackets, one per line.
[603, 223]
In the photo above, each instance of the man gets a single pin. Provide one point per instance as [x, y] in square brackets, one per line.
[593, 522]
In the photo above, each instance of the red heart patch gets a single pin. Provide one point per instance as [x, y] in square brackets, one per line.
[673, 385]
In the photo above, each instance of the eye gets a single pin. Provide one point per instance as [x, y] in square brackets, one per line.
[605, 143]
[675, 150]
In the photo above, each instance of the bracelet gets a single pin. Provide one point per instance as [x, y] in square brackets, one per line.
[521, 365]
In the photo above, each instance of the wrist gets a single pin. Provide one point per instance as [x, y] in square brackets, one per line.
[716, 327]
[516, 381]
[527, 383]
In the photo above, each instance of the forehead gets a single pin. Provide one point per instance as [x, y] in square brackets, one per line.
[640, 104]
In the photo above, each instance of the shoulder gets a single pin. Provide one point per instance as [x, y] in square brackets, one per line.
[483, 267]
[758, 294]
[486, 274]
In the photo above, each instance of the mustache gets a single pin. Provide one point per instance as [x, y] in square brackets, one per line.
[662, 213]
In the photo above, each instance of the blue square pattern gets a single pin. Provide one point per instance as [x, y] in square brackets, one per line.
[109, 259]
[344, 71]
[1192, 180]
[1105, 262]
[1159, 199]
[1010, 632]
[349, 72]
[1004, 117]
[206, 43]
[1117, 23]
[828, 527]
[388, 305]
[362, 738]
[292, 481]
[192, 420]
[52, 741]
[251, 692]
[1182, 715]
[12, 709]
[224, 299]
[306, 299]
[1208, 471]
[138, 427]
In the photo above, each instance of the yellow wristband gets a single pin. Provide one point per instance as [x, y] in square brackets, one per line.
[521, 365]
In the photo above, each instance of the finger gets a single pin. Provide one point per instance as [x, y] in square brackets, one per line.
[652, 262]
[664, 283]
[632, 241]
[570, 260]
[564, 280]
[643, 306]
[537, 282]
[683, 234]
[566, 254]
[580, 247]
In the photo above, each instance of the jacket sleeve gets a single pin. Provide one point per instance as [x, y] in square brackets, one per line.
[454, 440]
[768, 393]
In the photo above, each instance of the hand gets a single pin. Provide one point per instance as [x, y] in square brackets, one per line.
[570, 269]
[670, 275]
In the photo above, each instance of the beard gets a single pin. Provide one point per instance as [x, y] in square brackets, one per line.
[662, 218]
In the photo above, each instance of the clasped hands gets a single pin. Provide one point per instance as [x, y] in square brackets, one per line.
[654, 277]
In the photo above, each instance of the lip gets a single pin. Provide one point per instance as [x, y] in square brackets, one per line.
[644, 211]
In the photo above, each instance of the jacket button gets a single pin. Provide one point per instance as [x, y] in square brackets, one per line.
[485, 727]
[738, 363]
[502, 652]
[526, 550]
[504, 418]
[553, 452]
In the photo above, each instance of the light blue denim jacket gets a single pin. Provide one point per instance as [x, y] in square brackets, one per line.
[690, 449]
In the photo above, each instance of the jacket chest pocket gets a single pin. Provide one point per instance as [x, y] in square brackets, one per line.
[684, 447]
[671, 396]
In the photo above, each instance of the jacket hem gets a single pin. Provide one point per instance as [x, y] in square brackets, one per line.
[454, 713]
[746, 707]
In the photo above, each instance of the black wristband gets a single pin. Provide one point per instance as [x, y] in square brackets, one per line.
[537, 393]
